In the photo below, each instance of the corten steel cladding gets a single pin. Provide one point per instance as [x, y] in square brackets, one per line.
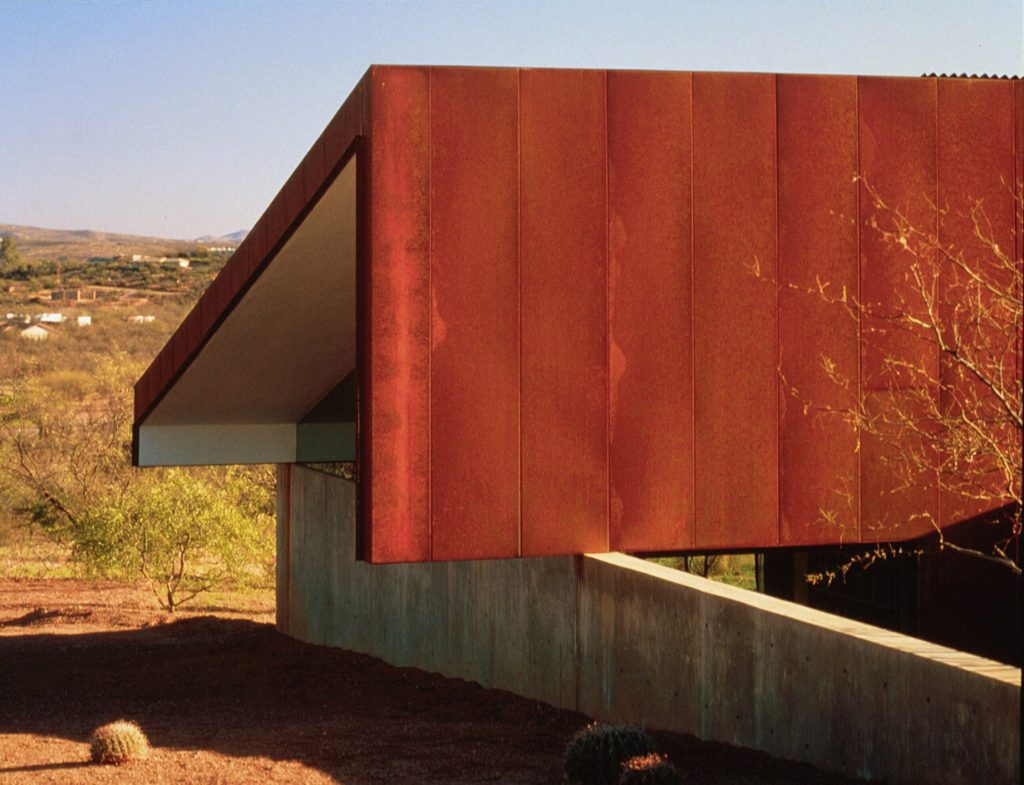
[1018, 181]
[399, 301]
[588, 308]
[650, 319]
[897, 134]
[474, 272]
[735, 313]
[817, 242]
[975, 170]
[563, 301]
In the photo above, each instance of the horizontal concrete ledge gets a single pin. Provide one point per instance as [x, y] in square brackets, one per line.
[669, 650]
[953, 658]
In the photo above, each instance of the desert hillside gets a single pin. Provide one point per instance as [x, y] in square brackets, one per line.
[56, 244]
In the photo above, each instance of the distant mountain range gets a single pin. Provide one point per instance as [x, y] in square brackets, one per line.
[225, 239]
[54, 244]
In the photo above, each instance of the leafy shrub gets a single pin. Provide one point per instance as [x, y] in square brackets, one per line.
[119, 742]
[651, 769]
[181, 531]
[65, 466]
[596, 753]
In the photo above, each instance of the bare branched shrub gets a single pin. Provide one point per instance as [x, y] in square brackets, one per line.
[946, 346]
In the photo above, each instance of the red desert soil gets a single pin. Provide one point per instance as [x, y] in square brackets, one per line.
[225, 699]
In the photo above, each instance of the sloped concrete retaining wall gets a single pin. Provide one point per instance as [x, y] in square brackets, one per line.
[618, 638]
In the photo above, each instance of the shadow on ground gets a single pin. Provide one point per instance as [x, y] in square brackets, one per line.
[239, 688]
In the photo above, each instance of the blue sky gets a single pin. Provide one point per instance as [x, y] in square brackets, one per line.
[180, 119]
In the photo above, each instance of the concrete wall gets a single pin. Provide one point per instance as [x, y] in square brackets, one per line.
[502, 623]
[618, 638]
[671, 650]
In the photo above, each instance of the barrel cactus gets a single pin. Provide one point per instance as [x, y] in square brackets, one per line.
[596, 753]
[651, 769]
[119, 742]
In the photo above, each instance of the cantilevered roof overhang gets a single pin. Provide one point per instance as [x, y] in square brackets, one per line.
[272, 343]
[521, 300]
[287, 340]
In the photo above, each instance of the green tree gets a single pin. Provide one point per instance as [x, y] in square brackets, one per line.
[65, 457]
[184, 534]
[9, 255]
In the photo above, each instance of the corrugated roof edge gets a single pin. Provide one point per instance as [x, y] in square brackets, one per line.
[970, 76]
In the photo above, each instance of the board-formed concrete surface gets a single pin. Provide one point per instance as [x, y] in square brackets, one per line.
[671, 650]
[621, 639]
[503, 623]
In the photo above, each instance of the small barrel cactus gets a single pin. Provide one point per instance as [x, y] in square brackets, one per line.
[119, 742]
[651, 769]
[596, 753]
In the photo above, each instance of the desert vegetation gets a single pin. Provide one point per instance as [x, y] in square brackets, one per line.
[65, 442]
[945, 348]
[119, 742]
[597, 754]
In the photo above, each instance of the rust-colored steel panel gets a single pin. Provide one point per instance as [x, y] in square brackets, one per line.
[399, 310]
[975, 170]
[293, 198]
[899, 497]
[819, 473]
[274, 222]
[474, 274]
[186, 339]
[256, 247]
[735, 313]
[220, 291]
[563, 296]
[237, 272]
[207, 313]
[314, 172]
[1018, 189]
[562, 345]
[349, 122]
[165, 364]
[143, 393]
[650, 319]
[897, 159]
[251, 261]
[178, 350]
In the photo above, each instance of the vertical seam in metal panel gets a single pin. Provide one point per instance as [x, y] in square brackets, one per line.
[778, 340]
[518, 279]
[938, 284]
[1015, 190]
[519, 289]
[1017, 96]
[430, 316]
[693, 323]
[859, 401]
[607, 335]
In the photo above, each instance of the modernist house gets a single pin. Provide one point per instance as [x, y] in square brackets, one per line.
[564, 313]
